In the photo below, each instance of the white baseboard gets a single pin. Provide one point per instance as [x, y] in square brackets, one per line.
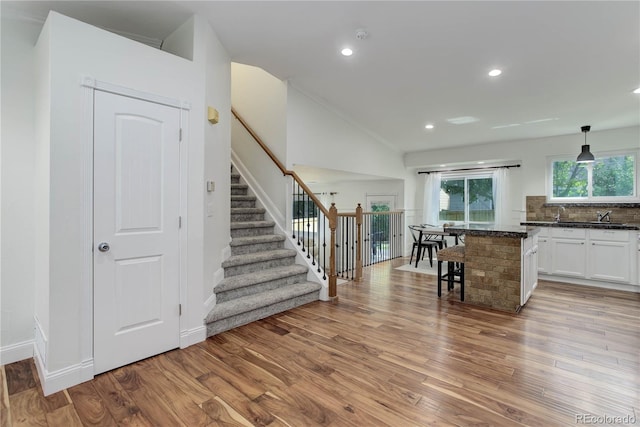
[593, 283]
[61, 379]
[209, 304]
[193, 336]
[16, 352]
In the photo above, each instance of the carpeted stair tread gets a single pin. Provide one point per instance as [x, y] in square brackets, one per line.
[247, 211]
[262, 276]
[257, 301]
[255, 240]
[252, 224]
[253, 258]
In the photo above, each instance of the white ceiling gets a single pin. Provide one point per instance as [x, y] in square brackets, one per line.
[565, 64]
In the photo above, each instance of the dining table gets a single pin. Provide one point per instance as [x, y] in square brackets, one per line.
[436, 233]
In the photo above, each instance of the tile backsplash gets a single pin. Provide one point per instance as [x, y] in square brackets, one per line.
[539, 210]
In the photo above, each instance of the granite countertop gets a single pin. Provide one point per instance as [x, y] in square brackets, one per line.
[495, 230]
[583, 224]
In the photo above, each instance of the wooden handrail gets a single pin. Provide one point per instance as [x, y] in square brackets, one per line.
[331, 214]
[278, 163]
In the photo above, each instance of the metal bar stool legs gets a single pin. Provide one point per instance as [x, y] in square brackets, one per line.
[453, 255]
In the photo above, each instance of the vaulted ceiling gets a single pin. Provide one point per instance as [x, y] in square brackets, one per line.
[564, 64]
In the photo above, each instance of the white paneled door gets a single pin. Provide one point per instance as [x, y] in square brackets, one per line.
[136, 230]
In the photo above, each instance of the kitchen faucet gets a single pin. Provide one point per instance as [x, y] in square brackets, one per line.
[602, 216]
[557, 217]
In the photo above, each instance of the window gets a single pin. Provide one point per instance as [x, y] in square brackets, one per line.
[304, 207]
[468, 199]
[612, 177]
[377, 225]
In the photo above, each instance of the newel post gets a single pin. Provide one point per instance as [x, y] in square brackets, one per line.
[333, 277]
[358, 243]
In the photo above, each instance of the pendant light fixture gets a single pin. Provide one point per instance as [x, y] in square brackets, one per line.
[585, 156]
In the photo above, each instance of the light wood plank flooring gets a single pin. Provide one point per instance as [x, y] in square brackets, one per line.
[387, 353]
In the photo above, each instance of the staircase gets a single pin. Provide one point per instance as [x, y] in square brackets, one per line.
[260, 277]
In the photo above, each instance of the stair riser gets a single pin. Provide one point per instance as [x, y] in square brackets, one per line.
[259, 287]
[260, 313]
[245, 217]
[257, 247]
[255, 231]
[243, 203]
[239, 299]
[239, 191]
[257, 266]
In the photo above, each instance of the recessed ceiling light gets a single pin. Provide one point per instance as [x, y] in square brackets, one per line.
[443, 166]
[495, 72]
[481, 163]
[429, 126]
[346, 52]
[637, 90]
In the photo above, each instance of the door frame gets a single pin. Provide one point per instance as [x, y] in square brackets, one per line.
[89, 86]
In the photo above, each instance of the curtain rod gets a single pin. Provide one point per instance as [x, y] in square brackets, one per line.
[472, 169]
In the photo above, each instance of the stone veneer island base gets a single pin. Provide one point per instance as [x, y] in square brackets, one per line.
[500, 265]
[493, 272]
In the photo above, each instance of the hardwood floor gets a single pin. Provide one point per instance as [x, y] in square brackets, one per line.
[388, 353]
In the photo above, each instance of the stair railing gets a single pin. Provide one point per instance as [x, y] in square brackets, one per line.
[383, 237]
[349, 245]
[354, 237]
[311, 220]
[367, 238]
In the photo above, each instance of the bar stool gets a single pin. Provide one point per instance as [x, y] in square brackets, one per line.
[452, 255]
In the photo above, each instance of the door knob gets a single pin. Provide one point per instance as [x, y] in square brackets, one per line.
[104, 247]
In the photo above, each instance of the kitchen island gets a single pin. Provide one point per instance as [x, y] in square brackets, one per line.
[501, 268]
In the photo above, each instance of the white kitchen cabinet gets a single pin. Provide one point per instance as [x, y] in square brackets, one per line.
[544, 251]
[569, 252]
[593, 256]
[610, 256]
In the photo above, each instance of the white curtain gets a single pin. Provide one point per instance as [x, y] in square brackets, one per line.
[500, 196]
[432, 197]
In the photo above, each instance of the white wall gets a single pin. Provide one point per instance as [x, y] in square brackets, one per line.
[42, 123]
[212, 57]
[261, 99]
[208, 224]
[181, 41]
[69, 50]
[300, 131]
[317, 136]
[17, 288]
[530, 178]
[349, 193]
